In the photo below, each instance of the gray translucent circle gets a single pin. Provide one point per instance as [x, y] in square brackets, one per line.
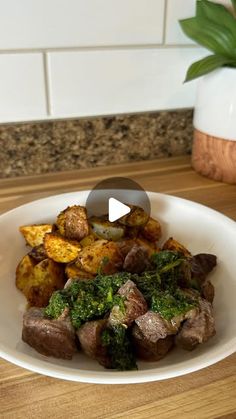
[124, 190]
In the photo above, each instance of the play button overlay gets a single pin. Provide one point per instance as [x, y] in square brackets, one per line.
[116, 210]
[112, 197]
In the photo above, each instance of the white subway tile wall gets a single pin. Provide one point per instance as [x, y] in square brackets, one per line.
[72, 23]
[111, 80]
[22, 87]
[72, 58]
[178, 9]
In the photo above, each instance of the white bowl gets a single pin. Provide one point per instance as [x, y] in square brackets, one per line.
[199, 228]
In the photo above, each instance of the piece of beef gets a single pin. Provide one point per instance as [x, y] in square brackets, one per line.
[153, 326]
[49, 337]
[135, 305]
[89, 335]
[197, 329]
[148, 350]
[125, 246]
[201, 265]
[136, 260]
[152, 336]
[208, 291]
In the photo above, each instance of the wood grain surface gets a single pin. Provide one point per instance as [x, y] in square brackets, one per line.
[209, 393]
[214, 157]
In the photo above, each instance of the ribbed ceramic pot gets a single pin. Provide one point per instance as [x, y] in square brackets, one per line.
[214, 145]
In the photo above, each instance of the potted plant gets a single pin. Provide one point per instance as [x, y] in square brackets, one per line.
[214, 144]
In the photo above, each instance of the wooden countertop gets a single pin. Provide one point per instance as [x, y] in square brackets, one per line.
[209, 393]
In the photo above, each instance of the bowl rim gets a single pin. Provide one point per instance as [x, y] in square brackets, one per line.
[120, 377]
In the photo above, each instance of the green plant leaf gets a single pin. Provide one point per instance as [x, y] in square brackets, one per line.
[217, 13]
[210, 35]
[206, 65]
[234, 4]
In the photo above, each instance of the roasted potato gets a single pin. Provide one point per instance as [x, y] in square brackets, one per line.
[72, 223]
[104, 229]
[135, 218]
[34, 234]
[75, 270]
[48, 276]
[90, 239]
[24, 272]
[38, 281]
[172, 244]
[38, 253]
[102, 256]
[152, 230]
[61, 249]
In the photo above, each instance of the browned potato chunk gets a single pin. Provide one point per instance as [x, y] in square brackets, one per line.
[72, 270]
[48, 277]
[102, 255]
[24, 272]
[172, 244]
[61, 249]
[34, 234]
[104, 229]
[136, 217]
[152, 230]
[72, 223]
[37, 282]
[38, 253]
[90, 239]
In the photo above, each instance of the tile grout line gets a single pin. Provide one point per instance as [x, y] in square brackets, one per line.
[165, 22]
[97, 48]
[47, 85]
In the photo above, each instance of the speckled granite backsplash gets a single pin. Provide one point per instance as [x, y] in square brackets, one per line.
[36, 148]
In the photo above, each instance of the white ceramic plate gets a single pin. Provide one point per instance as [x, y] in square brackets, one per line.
[199, 228]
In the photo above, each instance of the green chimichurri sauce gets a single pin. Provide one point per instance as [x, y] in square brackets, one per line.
[94, 298]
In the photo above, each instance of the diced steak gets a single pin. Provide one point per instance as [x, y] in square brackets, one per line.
[197, 329]
[125, 246]
[136, 260]
[135, 305]
[201, 265]
[208, 291]
[150, 351]
[89, 335]
[49, 337]
[153, 326]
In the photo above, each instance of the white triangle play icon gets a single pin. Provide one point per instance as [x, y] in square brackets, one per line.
[116, 209]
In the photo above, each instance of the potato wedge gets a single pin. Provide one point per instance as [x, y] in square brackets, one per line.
[90, 239]
[60, 249]
[172, 244]
[48, 276]
[72, 223]
[104, 229]
[136, 217]
[74, 271]
[24, 272]
[101, 256]
[35, 233]
[152, 230]
[38, 281]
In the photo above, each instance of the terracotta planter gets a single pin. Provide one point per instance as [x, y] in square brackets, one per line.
[214, 145]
